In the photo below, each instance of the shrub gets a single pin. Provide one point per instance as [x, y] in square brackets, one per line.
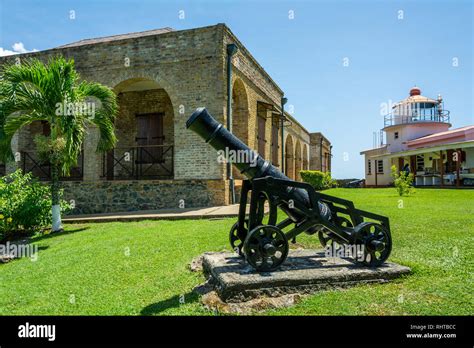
[319, 180]
[25, 206]
[402, 181]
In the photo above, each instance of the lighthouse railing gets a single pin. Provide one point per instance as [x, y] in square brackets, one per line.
[415, 116]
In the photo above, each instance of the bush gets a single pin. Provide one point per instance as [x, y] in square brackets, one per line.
[25, 206]
[319, 180]
[402, 181]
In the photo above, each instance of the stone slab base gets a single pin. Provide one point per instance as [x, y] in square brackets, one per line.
[304, 271]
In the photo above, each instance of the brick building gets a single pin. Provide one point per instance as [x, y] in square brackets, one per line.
[160, 77]
[321, 152]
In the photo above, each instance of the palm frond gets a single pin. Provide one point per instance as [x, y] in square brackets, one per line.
[104, 116]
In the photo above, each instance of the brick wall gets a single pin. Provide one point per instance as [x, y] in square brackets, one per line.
[320, 153]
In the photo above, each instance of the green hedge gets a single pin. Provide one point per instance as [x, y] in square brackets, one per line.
[319, 180]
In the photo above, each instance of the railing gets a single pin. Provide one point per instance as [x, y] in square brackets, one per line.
[31, 163]
[139, 163]
[425, 115]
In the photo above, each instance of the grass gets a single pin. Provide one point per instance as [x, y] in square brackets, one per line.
[140, 268]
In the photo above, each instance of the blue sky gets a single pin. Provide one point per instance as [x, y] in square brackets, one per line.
[389, 46]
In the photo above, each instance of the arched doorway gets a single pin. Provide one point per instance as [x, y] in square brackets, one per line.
[144, 127]
[298, 160]
[240, 116]
[289, 158]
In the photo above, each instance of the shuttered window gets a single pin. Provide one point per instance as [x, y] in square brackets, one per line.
[380, 166]
[420, 163]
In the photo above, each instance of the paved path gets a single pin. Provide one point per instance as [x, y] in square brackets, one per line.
[162, 214]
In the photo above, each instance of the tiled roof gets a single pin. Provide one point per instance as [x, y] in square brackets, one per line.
[118, 37]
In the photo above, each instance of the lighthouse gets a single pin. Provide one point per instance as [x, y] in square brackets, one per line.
[419, 140]
[414, 117]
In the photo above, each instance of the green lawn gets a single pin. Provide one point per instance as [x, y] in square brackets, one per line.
[141, 267]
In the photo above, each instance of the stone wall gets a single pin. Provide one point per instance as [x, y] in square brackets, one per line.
[122, 196]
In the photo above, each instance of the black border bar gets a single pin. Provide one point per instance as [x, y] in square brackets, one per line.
[243, 330]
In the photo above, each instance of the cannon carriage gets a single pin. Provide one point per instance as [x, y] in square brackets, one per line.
[265, 246]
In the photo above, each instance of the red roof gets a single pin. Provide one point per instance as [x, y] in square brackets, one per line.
[463, 133]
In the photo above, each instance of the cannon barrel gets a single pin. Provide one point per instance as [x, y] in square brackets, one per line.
[253, 166]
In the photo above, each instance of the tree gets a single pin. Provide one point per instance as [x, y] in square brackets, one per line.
[54, 93]
[403, 181]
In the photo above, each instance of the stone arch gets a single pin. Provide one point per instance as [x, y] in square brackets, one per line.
[240, 116]
[305, 157]
[289, 158]
[130, 75]
[144, 127]
[298, 160]
[240, 111]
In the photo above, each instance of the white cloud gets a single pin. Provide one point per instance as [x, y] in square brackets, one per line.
[18, 47]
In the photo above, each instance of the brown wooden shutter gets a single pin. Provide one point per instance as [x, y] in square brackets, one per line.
[156, 137]
[142, 130]
[150, 134]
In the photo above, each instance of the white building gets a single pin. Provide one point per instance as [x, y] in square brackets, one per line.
[418, 139]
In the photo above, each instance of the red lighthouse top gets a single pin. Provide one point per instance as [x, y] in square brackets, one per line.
[415, 91]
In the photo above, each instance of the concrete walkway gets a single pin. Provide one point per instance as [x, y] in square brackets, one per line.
[162, 214]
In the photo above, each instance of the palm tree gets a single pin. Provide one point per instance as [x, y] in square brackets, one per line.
[53, 92]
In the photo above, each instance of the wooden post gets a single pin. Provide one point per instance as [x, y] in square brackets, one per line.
[458, 165]
[441, 167]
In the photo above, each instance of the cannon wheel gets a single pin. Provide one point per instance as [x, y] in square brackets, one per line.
[377, 243]
[325, 238]
[266, 247]
[234, 239]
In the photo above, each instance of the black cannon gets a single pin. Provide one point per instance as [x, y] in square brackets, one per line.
[265, 246]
